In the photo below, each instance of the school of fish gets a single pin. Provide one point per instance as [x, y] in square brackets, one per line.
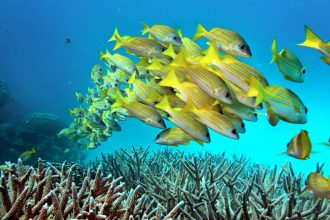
[168, 76]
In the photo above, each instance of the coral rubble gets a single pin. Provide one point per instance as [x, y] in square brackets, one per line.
[136, 184]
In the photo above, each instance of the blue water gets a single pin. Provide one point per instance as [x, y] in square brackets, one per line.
[43, 73]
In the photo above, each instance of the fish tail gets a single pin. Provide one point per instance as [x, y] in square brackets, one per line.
[256, 89]
[199, 32]
[164, 104]
[132, 78]
[113, 37]
[105, 55]
[274, 52]
[169, 80]
[119, 42]
[119, 101]
[145, 29]
[311, 40]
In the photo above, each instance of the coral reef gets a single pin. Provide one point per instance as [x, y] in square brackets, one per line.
[38, 130]
[136, 184]
[4, 93]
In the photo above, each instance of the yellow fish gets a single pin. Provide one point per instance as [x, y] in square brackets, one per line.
[228, 41]
[141, 47]
[231, 69]
[145, 113]
[318, 185]
[219, 123]
[162, 33]
[77, 112]
[313, 41]
[175, 137]
[119, 61]
[79, 97]
[96, 75]
[288, 64]
[28, 153]
[300, 146]
[186, 121]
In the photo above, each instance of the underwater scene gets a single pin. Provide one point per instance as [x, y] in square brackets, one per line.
[162, 110]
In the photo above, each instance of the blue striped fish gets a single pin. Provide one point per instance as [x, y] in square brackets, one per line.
[228, 41]
[288, 64]
[163, 33]
[174, 137]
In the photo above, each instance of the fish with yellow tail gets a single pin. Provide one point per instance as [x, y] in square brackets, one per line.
[300, 146]
[228, 41]
[185, 120]
[118, 61]
[133, 108]
[313, 41]
[142, 47]
[231, 69]
[162, 33]
[28, 153]
[288, 64]
[281, 103]
[318, 185]
[174, 137]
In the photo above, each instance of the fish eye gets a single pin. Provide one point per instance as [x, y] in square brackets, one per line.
[115, 84]
[227, 95]
[162, 49]
[175, 38]
[306, 109]
[100, 69]
[156, 102]
[242, 125]
[304, 71]
[242, 47]
[207, 135]
[168, 115]
[234, 131]
[158, 136]
[147, 72]
[255, 114]
[160, 121]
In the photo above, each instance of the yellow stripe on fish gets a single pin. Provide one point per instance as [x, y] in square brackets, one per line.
[228, 41]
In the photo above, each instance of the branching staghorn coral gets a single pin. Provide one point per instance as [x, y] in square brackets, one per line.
[211, 186]
[136, 184]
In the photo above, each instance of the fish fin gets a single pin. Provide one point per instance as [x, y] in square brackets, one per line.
[119, 42]
[326, 60]
[180, 60]
[120, 100]
[105, 55]
[33, 150]
[190, 106]
[169, 80]
[130, 95]
[199, 142]
[274, 52]
[311, 40]
[256, 89]
[170, 51]
[113, 37]
[145, 28]
[325, 144]
[179, 32]
[280, 154]
[163, 104]
[199, 32]
[155, 65]
[132, 78]
[273, 119]
[211, 54]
